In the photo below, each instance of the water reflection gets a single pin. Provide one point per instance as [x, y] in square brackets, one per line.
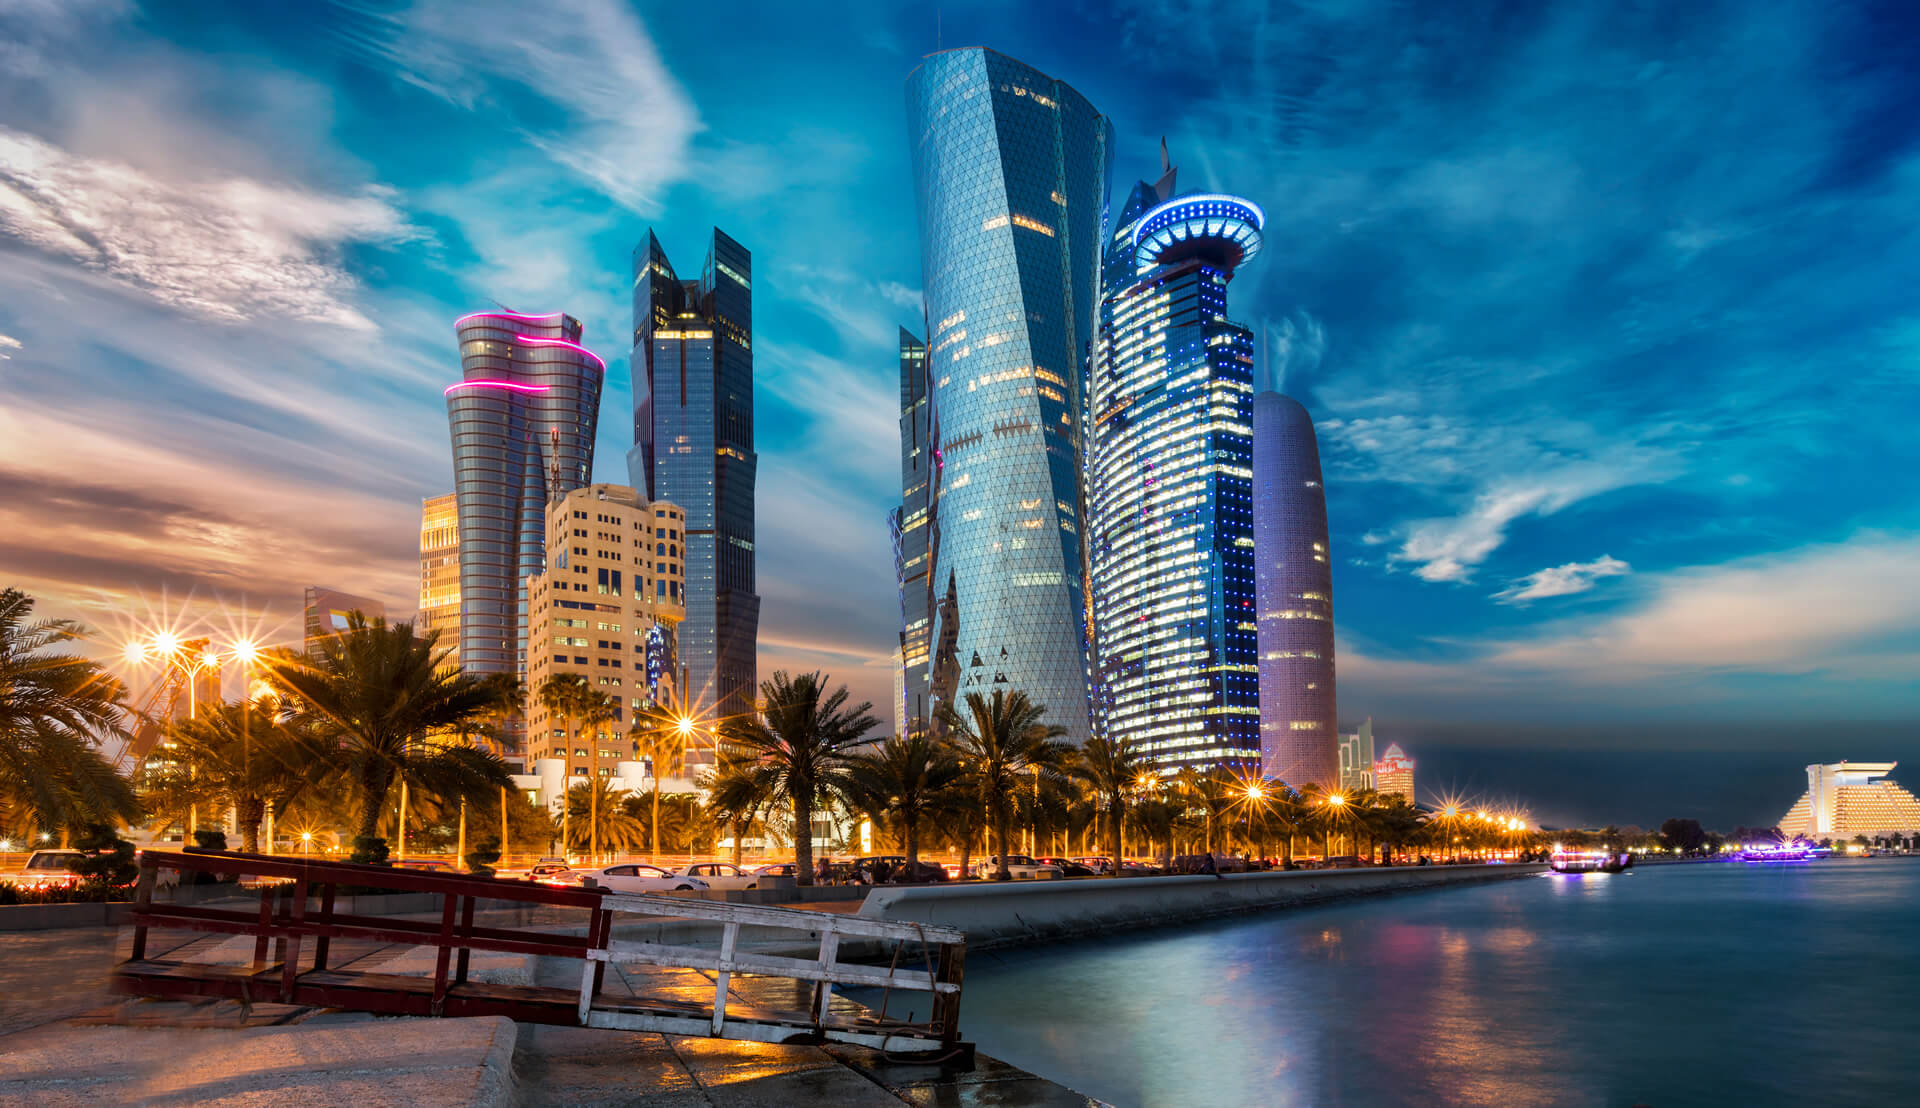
[1596, 990]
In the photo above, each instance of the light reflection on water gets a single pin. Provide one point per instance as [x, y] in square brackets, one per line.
[1706, 984]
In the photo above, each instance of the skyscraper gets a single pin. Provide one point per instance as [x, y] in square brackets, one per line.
[523, 421]
[693, 445]
[1299, 728]
[1169, 482]
[606, 608]
[1010, 175]
[913, 526]
[440, 573]
[1356, 759]
[1393, 773]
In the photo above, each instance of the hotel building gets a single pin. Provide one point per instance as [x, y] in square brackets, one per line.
[523, 420]
[1010, 180]
[1299, 721]
[692, 363]
[608, 607]
[1844, 799]
[1169, 483]
[440, 573]
[1393, 773]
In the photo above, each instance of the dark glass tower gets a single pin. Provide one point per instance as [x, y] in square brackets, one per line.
[912, 525]
[1169, 483]
[1299, 733]
[523, 421]
[692, 366]
[1010, 174]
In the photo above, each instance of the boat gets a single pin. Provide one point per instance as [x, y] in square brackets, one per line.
[1589, 861]
[1776, 852]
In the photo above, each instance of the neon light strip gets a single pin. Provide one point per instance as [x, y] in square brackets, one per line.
[1259, 216]
[514, 386]
[507, 315]
[531, 341]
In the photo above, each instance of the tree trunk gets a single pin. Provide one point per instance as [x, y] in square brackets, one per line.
[802, 834]
[966, 848]
[1116, 816]
[739, 832]
[375, 780]
[251, 810]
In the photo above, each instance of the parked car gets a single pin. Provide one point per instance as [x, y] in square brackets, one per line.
[427, 865]
[891, 869]
[46, 869]
[777, 869]
[1098, 863]
[552, 873]
[720, 875]
[1020, 866]
[1069, 867]
[637, 877]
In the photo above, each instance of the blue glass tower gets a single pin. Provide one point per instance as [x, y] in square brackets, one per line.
[1010, 171]
[692, 365]
[1169, 483]
[523, 419]
[912, 526]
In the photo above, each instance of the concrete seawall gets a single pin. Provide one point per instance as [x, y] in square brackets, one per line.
[1032, 911]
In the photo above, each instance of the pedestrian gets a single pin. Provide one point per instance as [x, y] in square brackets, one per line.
[823, 873]
[1207, 865]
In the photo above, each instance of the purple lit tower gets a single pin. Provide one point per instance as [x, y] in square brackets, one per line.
[1299, 732]
[523, 421]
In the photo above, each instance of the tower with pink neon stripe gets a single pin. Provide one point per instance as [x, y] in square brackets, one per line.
[523, 419]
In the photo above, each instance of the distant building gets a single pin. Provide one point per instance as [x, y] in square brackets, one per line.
[1170, 513]
[1844, 799]
[328, 611]
[1299, 721]
[522, 419]
[608, 608]
[1356, 759]
[1010, 182]
[912, 527]
[692, 364]
[440, 573]
[1393, 773]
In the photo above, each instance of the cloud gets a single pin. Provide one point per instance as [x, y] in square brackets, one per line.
[229, 249]
[1574, 577]
[1450, 548]
[8, 342]
[1296, 346]
[627, 124]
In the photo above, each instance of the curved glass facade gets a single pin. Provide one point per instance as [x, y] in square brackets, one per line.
[523, 420]
[1299, 731]
[1169, 484]
[1010, 171]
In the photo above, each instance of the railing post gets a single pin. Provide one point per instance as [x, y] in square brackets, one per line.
[443, 951]
[946, 1006]
[290, 962]
[729, 936]
[829, 954]
[325, 941]
[266, 926]
[466, 933]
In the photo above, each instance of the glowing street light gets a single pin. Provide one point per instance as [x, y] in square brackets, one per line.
[1336, 800]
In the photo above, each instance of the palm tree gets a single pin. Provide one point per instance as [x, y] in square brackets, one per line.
[595, 805]
[1000, 739]
[56, 708]
[236, 754]
[564, 695]
[736, 794]
[596, 709]
[378, 695]
[906, 778]
[1111, 768]
[662, 737]
[802, 739]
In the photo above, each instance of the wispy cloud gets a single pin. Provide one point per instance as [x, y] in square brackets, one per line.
[8, 342]
[1574, 577]
[232, 249]
[627, 124]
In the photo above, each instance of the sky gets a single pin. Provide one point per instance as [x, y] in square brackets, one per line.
[1605, 314]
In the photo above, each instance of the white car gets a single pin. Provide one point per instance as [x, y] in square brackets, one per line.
[1020, 866]
[720, 875]
[637, 877]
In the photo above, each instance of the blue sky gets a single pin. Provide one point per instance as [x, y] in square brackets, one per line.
[1605, 312]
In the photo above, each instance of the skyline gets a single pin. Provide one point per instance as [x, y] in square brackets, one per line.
[1607, 370]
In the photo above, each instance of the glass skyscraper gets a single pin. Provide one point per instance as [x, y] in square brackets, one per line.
[523, 420]
[1299, 722]
[1010, 172]
[692, 366]
[912, 526]
[1169, 483]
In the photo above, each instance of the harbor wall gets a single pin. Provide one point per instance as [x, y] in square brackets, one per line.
[1006, 914]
